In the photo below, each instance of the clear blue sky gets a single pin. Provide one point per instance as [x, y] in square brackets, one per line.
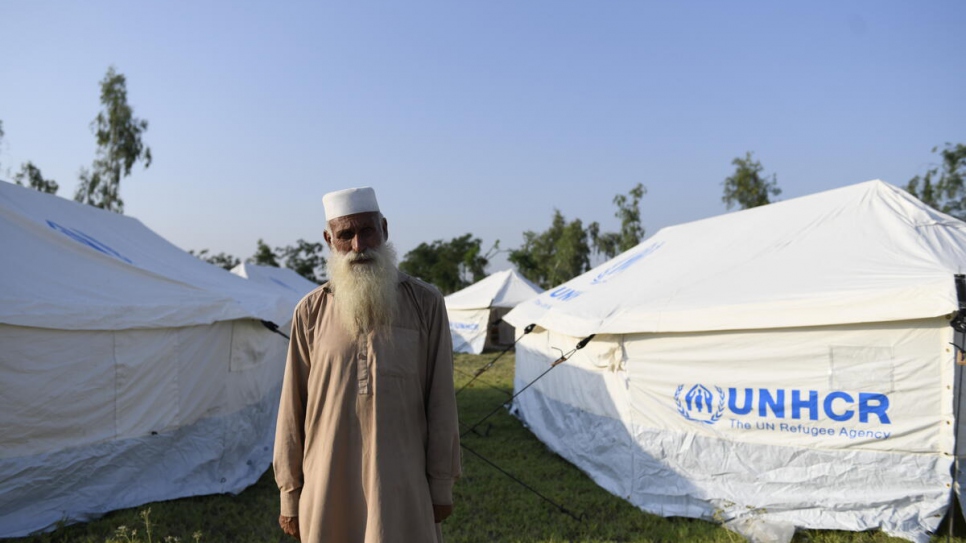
[477, 116]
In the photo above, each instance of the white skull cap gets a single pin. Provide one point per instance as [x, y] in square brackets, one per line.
[349, 202]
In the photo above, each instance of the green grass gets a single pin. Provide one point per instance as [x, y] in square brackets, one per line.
[490, 507]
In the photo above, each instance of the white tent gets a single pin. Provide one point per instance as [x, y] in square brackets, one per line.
[285, 282]
[475, 312]
[130, 370]
[784, 366]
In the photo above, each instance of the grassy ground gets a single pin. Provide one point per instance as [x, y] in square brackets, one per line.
[490, 506]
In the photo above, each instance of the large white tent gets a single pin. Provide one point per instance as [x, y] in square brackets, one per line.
[475, 312]
[285, 282]
[785, 366]
[130, 371]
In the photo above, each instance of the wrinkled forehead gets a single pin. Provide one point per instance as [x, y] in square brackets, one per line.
[356, 221]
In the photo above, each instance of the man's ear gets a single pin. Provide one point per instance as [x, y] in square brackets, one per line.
[328, 238]
[385, 229]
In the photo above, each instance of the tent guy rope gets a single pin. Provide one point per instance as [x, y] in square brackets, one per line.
[557, 362]
[489, 365]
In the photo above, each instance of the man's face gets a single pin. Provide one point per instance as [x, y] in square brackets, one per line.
[356, 233]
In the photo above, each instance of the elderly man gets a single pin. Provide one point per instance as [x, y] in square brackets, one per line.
[367, 442]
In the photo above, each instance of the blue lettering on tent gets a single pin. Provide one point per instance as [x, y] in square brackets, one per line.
[776, 403]
[621, 266]
[565, 293]
[88, 240]
[830, 412]
[745, 406]
[811, 404]
[781, 403]
[878, 408]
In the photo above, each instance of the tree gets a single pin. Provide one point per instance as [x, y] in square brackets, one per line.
[632, 232]
[304, 258]
[747, 187]
[35, 179]
[222, 260]
[119, 147]
[554, 256]
[942, 187]
[450, 265]
[264, 255]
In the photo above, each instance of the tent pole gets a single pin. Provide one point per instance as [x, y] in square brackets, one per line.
[959, 346]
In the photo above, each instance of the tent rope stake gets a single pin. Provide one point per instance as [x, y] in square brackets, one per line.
[480, 371]
[273, 327]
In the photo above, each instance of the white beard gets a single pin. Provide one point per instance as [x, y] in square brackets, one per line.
[365, 288]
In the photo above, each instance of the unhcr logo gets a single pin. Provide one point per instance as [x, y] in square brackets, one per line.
[700, 404]
[621, 266]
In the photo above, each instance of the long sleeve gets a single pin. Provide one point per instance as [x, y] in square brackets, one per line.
[443, 443]
[290, 428]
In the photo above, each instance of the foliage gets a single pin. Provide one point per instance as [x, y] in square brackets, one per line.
[304, 258]
[222, 260]
[449, 265]
[264, 255]
[555, 256]
[747, 187]
[612, 244]
[119, 147]
[35, 179]
[942, 187]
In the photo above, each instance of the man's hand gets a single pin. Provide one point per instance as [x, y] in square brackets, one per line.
[440, 512]
[290, 525]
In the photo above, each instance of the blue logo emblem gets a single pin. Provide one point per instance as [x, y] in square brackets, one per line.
[88, 240]
[700, 404]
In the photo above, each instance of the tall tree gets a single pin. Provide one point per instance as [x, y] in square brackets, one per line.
[264, 255]
[34, 179]
[222, 260]
[747, 187]
[555, 256]
[304, 258]
[119, 147]
[943, 186]
[628, 211]
[450, 265]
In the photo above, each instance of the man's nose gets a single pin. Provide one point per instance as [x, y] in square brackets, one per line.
[358, 245]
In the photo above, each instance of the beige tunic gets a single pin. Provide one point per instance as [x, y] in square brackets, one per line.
[367, 437]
